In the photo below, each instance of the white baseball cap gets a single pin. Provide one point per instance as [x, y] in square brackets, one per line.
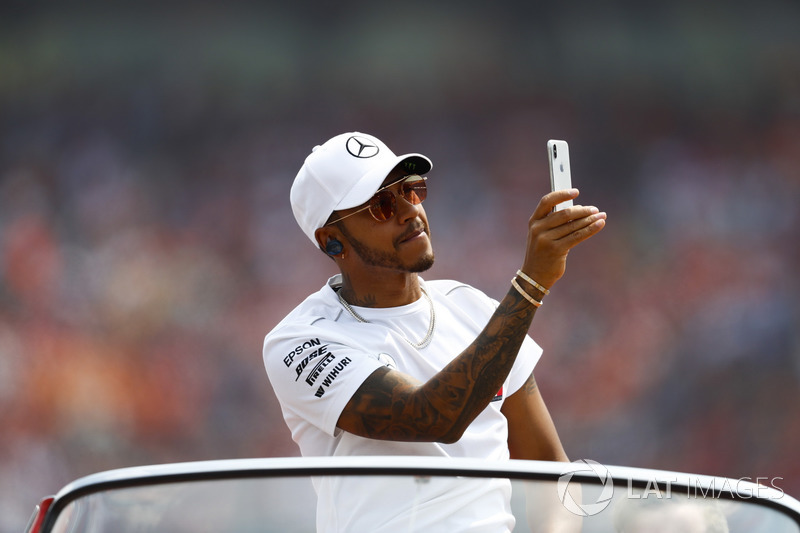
[342, 173]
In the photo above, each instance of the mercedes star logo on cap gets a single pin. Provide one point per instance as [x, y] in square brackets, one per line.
[361, 147]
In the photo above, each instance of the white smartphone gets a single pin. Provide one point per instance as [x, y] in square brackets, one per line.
[560, 175]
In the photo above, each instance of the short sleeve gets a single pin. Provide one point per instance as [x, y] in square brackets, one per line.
[478, 308]
[314, 373]
[529, 354]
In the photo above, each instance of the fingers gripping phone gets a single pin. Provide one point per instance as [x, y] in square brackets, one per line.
[560, 176]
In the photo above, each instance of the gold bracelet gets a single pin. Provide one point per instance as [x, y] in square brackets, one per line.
[529, 279]
[527, 296]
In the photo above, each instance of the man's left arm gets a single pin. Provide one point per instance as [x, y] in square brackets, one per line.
[532, 435]
[531, 432]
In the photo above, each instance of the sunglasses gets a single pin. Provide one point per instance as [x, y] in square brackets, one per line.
[383, 204]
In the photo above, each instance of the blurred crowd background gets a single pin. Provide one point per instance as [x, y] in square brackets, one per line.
[147, 244]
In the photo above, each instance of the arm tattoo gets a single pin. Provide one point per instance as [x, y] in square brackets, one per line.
[530, 385]
[392, 406]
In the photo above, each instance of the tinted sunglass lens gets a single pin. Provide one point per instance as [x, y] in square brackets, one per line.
[382, 206]
[415, 191]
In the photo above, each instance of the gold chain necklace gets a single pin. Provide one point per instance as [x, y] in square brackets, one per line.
[418, 345]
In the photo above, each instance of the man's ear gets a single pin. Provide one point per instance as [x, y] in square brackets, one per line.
[322, 235]
[329, 240]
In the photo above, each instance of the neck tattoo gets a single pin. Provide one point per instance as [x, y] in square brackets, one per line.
[418, 345]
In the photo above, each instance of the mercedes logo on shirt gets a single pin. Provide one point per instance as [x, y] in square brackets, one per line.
[361, 147]
[387, 360]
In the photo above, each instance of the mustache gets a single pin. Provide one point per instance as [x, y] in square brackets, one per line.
[417, 228]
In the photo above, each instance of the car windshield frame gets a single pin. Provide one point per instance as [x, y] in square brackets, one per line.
[231, 469]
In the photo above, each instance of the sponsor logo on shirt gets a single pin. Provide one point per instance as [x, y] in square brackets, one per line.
[319, 352]
[319, 367]
[300, 349]
[387, 360]
[499, 395]
[332, 376]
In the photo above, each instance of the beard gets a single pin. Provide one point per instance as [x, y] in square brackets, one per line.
[382, 259]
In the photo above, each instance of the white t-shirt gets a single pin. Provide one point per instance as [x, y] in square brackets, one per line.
[319, 355]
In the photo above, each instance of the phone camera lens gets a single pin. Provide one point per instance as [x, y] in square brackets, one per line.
[555, 151]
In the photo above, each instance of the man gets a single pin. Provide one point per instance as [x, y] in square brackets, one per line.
[380, 361]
